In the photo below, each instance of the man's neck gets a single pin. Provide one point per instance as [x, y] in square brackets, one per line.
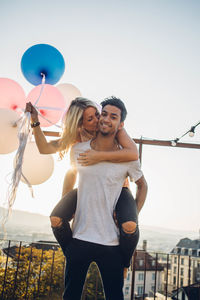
[104, 143]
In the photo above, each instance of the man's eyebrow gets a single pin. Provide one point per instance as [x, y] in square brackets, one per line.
[113, 114]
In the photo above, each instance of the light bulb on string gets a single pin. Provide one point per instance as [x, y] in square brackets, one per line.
[174, 142]
[191, 133]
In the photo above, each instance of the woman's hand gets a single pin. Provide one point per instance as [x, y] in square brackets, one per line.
[34, 114]
[89, 157]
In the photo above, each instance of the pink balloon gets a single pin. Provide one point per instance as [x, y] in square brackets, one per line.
[51, 103]
[12, 95]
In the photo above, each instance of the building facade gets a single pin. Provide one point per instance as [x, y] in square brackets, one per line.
[185, 263]
[147, 276]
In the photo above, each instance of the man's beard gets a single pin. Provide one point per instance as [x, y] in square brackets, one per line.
[104, 133]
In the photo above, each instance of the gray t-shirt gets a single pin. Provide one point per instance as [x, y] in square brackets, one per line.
[99, 188]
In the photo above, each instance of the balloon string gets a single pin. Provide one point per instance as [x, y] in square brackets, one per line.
[48, 120]
[50, 108]
[29, 185]
[23, 134]
[41, 90]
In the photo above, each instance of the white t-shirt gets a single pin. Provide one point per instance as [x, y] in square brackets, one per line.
[99, 188]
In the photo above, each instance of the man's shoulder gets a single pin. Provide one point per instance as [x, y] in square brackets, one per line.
[81, 146]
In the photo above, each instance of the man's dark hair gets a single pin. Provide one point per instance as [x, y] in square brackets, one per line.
[118, 103]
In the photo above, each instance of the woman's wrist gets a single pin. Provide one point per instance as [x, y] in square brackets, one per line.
[34, 120]
[35, 124]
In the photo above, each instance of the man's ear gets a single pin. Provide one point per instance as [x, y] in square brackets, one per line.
[121, 125]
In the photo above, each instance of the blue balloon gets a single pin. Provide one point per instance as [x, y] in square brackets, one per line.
[42, 58]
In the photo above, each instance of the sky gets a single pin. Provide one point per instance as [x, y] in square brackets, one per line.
[145, 52]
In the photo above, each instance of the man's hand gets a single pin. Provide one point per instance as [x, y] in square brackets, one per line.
[89, 157]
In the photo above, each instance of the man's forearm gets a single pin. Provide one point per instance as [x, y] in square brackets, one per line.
[141, 193]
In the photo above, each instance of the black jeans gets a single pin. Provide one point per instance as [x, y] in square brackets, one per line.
[79, 255]
[126, 210]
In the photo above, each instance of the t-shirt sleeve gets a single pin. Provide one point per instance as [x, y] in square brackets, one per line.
[134, 171]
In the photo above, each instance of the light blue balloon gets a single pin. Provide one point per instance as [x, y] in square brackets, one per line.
[42, 58]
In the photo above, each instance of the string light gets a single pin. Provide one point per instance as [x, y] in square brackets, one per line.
[174, 142]
[191, 132]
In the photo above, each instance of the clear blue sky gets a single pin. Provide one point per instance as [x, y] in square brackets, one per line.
[147, 53]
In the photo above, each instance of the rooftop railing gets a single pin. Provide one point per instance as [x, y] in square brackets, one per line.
[36, 271]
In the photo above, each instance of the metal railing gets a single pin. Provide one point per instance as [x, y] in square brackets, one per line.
[36, 271]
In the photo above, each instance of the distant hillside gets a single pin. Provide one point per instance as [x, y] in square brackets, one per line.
[28, 227]
[162, 239]
[23, 218]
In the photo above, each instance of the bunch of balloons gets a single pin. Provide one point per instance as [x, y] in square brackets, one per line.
[43, 66]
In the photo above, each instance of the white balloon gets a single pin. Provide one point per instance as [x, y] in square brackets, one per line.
[8, 130]
[69, 91]
[36, 167]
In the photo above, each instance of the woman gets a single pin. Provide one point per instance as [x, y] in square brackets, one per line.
[81, 124]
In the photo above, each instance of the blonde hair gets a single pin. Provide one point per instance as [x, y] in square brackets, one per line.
[72, 122]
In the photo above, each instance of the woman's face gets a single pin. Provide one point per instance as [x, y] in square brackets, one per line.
[90, 119]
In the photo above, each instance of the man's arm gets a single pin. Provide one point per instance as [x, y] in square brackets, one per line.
[69, 181]
[70, 177]
[141, 192]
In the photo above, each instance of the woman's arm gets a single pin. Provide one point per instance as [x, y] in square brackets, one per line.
[44, 147]
[128, 153]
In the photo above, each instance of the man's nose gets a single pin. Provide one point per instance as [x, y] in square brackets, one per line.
[106, 118]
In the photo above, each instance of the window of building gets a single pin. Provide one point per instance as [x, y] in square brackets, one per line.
[181, 282]
[182, 271]
[182, 261]
[153, 276]
[175, 259]
[141, 262]
[140, 289]
[194, 252]
[153, 263]
[126, 290]
[175, 270]
[128, 276]
[174, 280]
[141, 276]
[152, 288]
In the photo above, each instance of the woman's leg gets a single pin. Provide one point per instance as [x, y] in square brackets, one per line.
[127, 218]
[60, 217]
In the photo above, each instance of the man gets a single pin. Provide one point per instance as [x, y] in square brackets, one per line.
[95, 235]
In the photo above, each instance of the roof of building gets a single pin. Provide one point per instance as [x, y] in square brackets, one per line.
[187, 243]
[187, 247]
[144, 261]
[192, 291]
[13, 251]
